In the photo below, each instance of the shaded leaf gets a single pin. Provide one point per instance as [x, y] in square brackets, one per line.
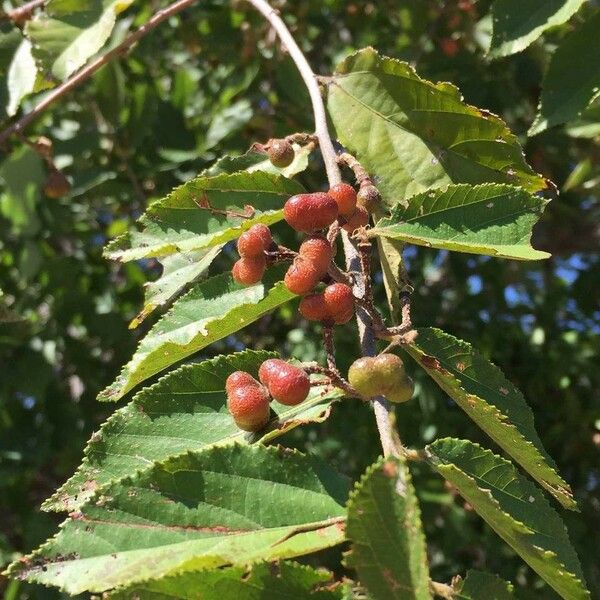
[413, 135]
[516, 510]
[179, 270]
[568, 89]
[493, 402]
[69, 32]
[518, 23]
[186, 410]
[282, 581]
[384, 525]
[479, 585]
[492, 219]
[227, 506]
[210, 311]
[205, 212]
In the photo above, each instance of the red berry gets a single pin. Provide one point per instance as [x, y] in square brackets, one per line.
[301, 277]
[254, 241]
[360, 218]
[289, 385]
[249, 407]
[268, 367]
[318, 251]
[239, 379]
[310, 212]
[339, 301]
[313, 308]
[345, 196]
[249, 269]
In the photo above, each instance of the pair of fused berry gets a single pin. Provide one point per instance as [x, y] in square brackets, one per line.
[311, 212]
[382, 375]
[248, 399]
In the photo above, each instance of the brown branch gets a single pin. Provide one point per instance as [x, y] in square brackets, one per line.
[92, 67]
[22, 13]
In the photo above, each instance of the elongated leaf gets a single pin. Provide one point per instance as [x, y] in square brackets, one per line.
[516, 510]
[205, 212]
[212, 310]
[518, 23]
[22, 75]
[480, 585]
[179, 270]
[384, 525]
[493, 402]
[568, 89]
[186, 410]
[413, 135]
[492, 219]
[69, 32]
[281, 581]
[226, 506]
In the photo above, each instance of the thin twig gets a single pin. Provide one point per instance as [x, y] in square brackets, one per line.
[22, 13]
[92, 67]
[382, 410]
[321, 129]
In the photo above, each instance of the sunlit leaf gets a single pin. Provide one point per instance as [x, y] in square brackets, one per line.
[227, 506]
[516, 510]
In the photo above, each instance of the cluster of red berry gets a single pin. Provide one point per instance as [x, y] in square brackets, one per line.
[248, 399]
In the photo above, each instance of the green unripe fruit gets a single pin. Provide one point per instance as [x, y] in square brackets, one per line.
[403, 391]
[389, 367]
[281, 153]
[363, 377]
[383, 375]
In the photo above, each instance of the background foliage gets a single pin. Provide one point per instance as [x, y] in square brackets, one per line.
[211, 82]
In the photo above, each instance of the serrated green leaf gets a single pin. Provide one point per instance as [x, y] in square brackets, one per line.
[205, 212]
[186, 410]
[493, 402]
[384, 525]
[228, 506]
[257, 161]
[492, 219]
[515, 509]
[69, 32]
[413, 135]
[480, 585]
[568, 88]
[179, 270]
[518, 23]
[281, 581]
[210, 311]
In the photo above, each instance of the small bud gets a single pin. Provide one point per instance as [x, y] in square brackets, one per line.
[368, 197]
[281, 153]
[56, 185]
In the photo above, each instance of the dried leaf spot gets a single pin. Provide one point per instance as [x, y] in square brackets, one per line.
[430, 362]
[460, 366]
[503, 391]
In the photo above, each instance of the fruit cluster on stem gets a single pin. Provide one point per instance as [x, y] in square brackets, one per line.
[248, 400]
